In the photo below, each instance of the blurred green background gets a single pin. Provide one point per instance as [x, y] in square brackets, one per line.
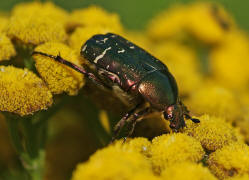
[135, 13]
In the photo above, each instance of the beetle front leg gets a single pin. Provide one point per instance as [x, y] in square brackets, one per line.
[77, 68]
[135, 118]
[186, 114]
[122, 122]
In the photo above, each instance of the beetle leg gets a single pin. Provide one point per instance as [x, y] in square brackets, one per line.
[122, 122]
[79, 69]
[135, 118]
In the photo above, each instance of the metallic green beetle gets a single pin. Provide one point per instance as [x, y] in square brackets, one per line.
[134, 76]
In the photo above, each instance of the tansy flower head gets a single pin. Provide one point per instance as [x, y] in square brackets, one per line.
[174, 148]
[229, 61]
[215, 100]
[3, 23]
[141, 145]
[36, 23]
[213, 133]
[230, 161]
[208, 22]
[94, 16]
[240, 177]
[168, 24]
[113, 164]
[187, 171]
[82, 34]
[7, 49]
[182, 63]
[22, 92]
[59, 78]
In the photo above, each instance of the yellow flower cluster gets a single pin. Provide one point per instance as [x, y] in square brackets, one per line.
[230, 161]
[7, 49]
[58, 77]
[22, 92]
[36, 23]
[213, 133]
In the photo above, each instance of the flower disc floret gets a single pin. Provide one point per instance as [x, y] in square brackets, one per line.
[22, 92]
[174, 148]
[59, 78]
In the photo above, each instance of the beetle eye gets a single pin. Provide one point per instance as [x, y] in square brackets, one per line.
[167, 116]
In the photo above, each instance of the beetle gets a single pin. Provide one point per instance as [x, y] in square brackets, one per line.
[136, 77]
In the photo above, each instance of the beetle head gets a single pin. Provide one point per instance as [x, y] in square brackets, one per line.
[175, 114]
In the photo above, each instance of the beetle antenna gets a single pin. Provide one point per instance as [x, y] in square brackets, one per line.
[79, 69]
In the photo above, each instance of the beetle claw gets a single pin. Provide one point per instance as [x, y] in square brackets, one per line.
[195, 120]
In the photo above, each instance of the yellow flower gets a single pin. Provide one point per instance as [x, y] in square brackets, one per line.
[212, 132]
[229, 61]
[94, 16]
[7, 49]
[59, 78]
[182, 63]
[141, 145]
[3, 23]
[112, 163]
[187, 171]
[82, 34]
[146, 175]
[215, 100]
[22, 92]
[208, 22]
[168, 24]
[230, 161]
[36, 23]
[174, 148]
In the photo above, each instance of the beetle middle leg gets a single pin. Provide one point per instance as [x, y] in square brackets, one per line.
[79, 69]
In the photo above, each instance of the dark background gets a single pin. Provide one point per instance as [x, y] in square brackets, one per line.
[135, 13]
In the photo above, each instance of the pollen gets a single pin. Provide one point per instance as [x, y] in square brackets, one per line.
[213, 132]
[230, 161]
[7, 49]
[36, 23]
[95, 16]
[59, 78]
[174, 148]
[22, 92]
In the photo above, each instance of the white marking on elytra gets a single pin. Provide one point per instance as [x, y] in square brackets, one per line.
[104, 40]
[84, 48]
[121, 51]
[107, 67]
[97, 41]
[116, 44]
[113, 36]
[132, 47]
[118, 72]
[101, 55]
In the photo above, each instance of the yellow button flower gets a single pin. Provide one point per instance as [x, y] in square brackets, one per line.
[22, 92]
[229, 61]
[36, 23]
[3, 23]
[59, 78]
[242, 177]
[208, 22]
[139, 144]
[187, 171]
[7, 49]
[230, 161]
[182, 63]
[174, 148]
[94, 16]
[82, 34]
[113, 164]
[215, 100]
[213, 132]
